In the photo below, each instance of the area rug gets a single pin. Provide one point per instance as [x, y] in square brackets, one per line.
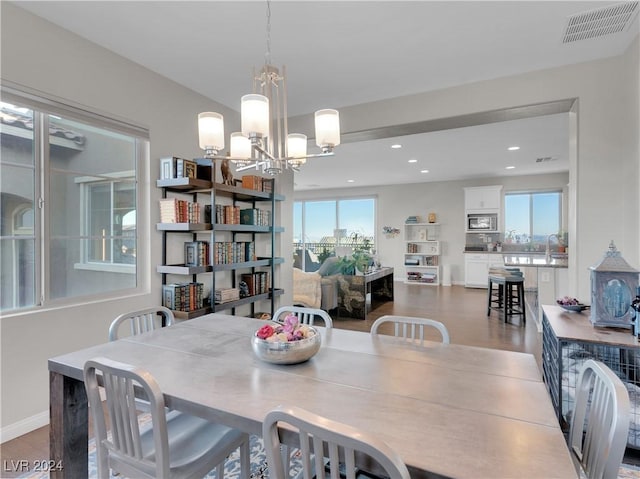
[231, 467]
[259, 469]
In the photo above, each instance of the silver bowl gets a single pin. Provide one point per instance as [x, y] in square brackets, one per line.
[287, 352]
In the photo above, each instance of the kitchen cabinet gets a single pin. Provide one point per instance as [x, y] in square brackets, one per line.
[476, 268]
[482, 198]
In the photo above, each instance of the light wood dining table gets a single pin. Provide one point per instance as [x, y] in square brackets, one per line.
[449, 410]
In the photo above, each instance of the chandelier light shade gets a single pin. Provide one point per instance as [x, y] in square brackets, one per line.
[211, 131]
[297, 146]
[240, 146]
[327, 129]
[264, 141]
[254, 111]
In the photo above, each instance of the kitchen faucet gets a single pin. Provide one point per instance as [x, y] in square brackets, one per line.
[548, 250]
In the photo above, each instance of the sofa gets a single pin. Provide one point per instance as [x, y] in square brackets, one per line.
[317, 289]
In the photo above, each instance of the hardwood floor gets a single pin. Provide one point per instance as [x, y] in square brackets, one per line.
[462, 310]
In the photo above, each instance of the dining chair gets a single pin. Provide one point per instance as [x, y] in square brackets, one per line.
[173, 445]
[305, 315]
[142, 321]
[340, 441]
[600, 421]
[411, 328]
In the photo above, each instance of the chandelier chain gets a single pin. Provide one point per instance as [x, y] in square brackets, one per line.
[267, 55]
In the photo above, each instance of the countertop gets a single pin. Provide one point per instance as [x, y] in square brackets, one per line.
[539, 260]
[527, 258]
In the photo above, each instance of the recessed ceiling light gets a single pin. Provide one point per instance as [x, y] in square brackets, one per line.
[509, 167]
[413, 161]
[351, 181]
[513, 148]
[424, 171]
[396, 146]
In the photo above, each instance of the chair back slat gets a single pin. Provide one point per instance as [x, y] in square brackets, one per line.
[142, 321]
[338, 442]
[600, 421]
[411, 328]
[304, 315]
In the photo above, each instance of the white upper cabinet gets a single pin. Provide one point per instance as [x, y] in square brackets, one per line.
[483, 198]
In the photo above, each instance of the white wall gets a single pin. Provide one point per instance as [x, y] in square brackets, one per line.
[43, 57]
[445, 198]
[604, 197]
[40, 56]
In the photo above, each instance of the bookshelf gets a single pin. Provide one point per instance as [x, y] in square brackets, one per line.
[422, 253]
[216, 242]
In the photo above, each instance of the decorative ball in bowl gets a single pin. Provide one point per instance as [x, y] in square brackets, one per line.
[286, 343]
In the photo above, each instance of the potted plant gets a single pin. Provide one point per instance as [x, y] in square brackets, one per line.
[508, 238]
[562, 241]
[358, 262]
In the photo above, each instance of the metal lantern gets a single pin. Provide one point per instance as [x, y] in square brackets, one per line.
[613, 285]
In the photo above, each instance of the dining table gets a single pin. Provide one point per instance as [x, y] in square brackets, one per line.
[449, 410]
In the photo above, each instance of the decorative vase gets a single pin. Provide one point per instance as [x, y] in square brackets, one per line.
[432, 218]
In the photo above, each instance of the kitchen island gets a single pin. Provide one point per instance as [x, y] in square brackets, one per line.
[546, 278]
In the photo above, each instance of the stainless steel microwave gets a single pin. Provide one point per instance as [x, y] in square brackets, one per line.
[482, 222]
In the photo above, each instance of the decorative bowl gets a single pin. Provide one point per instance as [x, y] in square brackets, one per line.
[287, 352]
[577, 308]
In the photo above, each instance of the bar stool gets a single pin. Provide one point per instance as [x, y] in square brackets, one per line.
[508, 297]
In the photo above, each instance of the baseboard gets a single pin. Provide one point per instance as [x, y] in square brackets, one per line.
[23, 427]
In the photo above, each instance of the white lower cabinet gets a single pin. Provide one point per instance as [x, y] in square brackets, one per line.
[476, 268]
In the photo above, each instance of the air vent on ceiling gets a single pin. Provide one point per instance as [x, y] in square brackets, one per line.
[544, 159]
[600, 21]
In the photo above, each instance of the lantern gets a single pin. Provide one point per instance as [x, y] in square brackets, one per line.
[613, 285]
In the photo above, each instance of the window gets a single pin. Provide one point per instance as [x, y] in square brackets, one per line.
[331, 227]
[68, 196]
[532, 217]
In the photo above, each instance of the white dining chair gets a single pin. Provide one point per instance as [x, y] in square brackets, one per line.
[411, 328]
[600, 421]
[142, 321]
[340, 441]
[305, 315]
[174, 445]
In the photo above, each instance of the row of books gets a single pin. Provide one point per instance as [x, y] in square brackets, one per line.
[225, 215]
[257, 183]
[411, 219]
[183, 296]
[421, 277]
[254, 216]
[225, 295]
[176, 167]
[196, 253]
[174, 210]
[227, 252]
[413, 248]
[257, 283]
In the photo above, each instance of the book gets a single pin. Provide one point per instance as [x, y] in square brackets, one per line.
[168, 167]
[254, 216]
[196, 253]
[174, 210]
[252, 182]
[225, 295]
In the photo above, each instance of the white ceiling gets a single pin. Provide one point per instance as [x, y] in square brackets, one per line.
[344, 53]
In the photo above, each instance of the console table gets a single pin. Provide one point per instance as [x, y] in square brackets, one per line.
[359, 294]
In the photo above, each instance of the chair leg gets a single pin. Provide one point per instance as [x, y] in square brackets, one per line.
[489, 295]
[245, 460]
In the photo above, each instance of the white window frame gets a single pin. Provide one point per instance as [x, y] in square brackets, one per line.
[85, 183]
[43, 107]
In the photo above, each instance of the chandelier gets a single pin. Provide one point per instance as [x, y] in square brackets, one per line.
[264, 142]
